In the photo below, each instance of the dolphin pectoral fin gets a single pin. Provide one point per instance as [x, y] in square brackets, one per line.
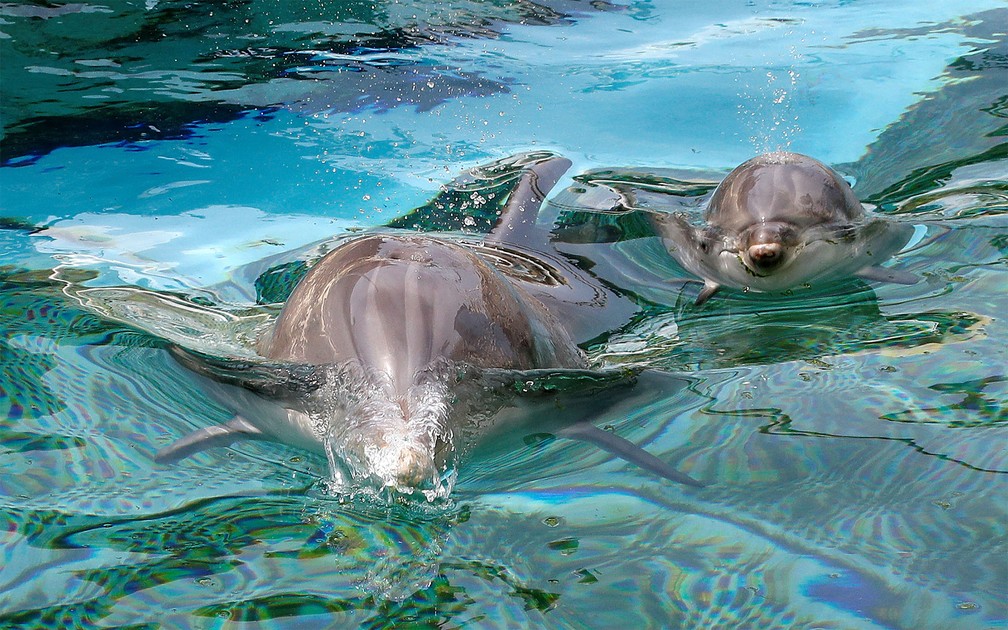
[884, 274]
[208, 437]
[709, 289]
[687, 245]
[627, 450]
[673, 228]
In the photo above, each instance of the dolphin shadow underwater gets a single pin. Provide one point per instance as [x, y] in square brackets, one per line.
[782, 221]
[397, 353]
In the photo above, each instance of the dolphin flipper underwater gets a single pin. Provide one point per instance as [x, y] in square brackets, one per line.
[396, 350]
[781, 221]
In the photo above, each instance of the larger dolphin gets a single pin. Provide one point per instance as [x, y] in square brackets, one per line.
[781, 221]
[396, 348]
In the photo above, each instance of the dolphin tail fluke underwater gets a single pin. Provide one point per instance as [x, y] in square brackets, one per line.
[627, 450]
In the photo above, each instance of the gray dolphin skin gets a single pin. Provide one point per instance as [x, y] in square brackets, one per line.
[396, 348]
[782, 221]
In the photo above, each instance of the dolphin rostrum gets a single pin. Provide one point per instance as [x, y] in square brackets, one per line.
[781, 221]
[396, 350]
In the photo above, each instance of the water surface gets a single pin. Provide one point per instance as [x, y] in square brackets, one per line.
[854, 439]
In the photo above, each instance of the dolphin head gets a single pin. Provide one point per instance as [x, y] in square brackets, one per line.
[381, 436]
[776, 221]
[782, 187]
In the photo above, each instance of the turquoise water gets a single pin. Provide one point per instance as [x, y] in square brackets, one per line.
[854, 441]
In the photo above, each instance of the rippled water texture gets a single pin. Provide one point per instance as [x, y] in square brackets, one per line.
[171, 169]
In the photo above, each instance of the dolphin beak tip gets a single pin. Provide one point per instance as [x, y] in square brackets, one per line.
[765, 255]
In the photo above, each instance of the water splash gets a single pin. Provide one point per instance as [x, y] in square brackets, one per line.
[381, 443]
[768, 109]
[767, 93]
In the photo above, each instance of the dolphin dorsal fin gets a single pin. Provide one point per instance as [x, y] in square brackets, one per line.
[517, 221]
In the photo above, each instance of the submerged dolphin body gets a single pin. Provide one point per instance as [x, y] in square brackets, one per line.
[781, 221]
[395, 349]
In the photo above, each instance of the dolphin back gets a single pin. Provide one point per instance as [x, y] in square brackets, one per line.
[397, 303]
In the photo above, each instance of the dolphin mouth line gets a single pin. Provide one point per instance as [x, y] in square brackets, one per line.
[787, 262]
[748, 269]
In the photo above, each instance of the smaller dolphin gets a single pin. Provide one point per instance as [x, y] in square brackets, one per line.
[782, 221]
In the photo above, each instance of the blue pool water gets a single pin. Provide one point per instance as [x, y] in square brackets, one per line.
[854, 443]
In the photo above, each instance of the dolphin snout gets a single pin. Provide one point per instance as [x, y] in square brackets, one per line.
[415, 469]
[765, 255]
[404, 463]
[766, 245]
